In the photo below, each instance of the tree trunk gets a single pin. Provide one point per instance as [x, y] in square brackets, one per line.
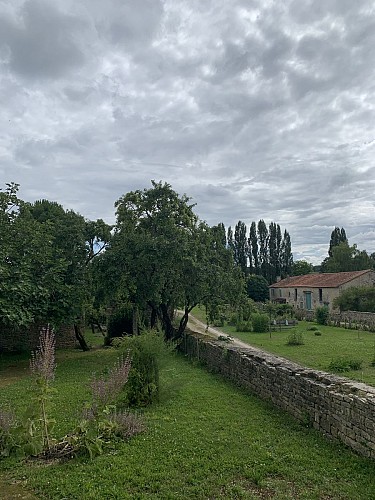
[80, 337]
[169, 330]
[184, 320]
[153, 316]
[135, 320]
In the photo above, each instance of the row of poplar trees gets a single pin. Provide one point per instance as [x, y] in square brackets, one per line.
[263, 251]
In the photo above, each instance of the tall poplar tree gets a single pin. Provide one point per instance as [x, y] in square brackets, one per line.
[286, 256]
[263, 248]
[240, 246]
[337, 236]
[230, 240]
[253, 249]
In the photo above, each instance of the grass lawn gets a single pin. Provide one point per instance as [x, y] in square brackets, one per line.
[317, 351]
[206, 439]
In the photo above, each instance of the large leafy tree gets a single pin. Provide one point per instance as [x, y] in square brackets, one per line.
[21, 298]
[257, 288]
[44, 256]
[346, 258]
[357, 299]
[163, 257]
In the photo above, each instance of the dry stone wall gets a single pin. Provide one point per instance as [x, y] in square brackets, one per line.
[337, 407]
[27, 339]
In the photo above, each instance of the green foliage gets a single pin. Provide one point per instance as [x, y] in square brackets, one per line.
[312, 328]
[120, 322]
[372, 362]
[240, 246]
[92, 435]
[261, 322]
[257, 288]
[43, 257]
[346, 258]
[31, 435]
[318, 333]
[100, 425]
[322, 315]
[301, 267]
[356, 299]
[146, 351]
[284, 310]
[337, 236]
[165, 258]
[244, 326]
[8, 441]
[344, 364]
[295, 338]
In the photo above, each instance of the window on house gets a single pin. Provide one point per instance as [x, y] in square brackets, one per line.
[295, 294]
[280, 292]
[320, 295]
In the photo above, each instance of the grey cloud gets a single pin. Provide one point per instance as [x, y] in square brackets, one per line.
[129, 25]
[43, 44]
[256, 110]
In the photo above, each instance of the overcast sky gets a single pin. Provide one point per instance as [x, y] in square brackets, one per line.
[255, 109]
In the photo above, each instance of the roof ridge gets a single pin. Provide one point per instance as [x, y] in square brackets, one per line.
[320, 280]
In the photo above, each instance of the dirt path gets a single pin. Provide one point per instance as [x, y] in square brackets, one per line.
[198, 326]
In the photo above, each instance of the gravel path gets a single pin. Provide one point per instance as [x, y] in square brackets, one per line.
[198, 326]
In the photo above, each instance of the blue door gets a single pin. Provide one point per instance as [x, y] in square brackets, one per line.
[308, 301]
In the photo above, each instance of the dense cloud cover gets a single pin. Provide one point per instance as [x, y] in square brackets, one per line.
[254, 109]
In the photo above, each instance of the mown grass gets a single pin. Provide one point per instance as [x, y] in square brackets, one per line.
[206, 439]
[317, 351]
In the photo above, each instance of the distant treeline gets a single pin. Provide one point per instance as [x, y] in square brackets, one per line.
[264, 251]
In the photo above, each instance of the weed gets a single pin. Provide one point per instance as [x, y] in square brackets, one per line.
[295, 338]
[345, 364]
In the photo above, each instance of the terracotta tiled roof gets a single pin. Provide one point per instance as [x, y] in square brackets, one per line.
[322, 280]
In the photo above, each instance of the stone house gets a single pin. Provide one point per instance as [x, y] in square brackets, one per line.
[313, 290]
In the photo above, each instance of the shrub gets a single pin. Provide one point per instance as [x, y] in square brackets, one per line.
[284, 310]
[243, 326]
[312, 328]
[321, 315]
[295, 338]
[7, 441]
[344, 364]
[318, 333]
[261, 323]
[146, 351]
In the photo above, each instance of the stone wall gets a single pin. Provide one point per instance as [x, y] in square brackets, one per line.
[348, 319]
[338, 407]
[27, 339]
